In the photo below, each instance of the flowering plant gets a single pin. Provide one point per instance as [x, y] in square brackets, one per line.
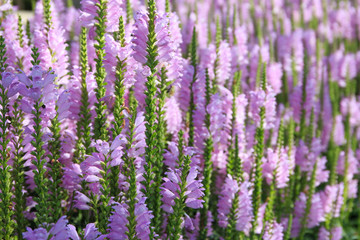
[129, 119]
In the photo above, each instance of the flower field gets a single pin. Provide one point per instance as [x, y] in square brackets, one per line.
[180, 119]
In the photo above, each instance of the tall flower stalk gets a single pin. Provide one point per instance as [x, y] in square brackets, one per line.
[259, 152]
[83, 124]
[6, 212]
[18, 172]
[207, 171]
[100, 126]
[152, 169]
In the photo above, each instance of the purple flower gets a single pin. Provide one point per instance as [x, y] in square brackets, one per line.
[339, 133]
[81, 201]
[220, 112]
[91, 167]
[71, 177]
[223, 69]
[276, 162]
[353, 162]
[258, 99]
[63, 105]
[115, 9]
[173, 115]
[332, 199]
[115, 53]
[324, 234]
[273, 231]
[171, 156]
[316, 214]
[168, 43]
[40, 88]
[274, 75]
[60, 230]
[118, 221]
[17, 55]
[170, 189]
[91, 232]
[243, 210]
[7, 79]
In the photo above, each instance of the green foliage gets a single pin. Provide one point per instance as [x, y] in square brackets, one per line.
[47, 14]
[6, 211]
[258, 155]
[192, 107]
[18, 168]
[176, 218]
[208, 170]
[152, 170]
[119, 107]
[20, 31]
[83, 131]
[129, 11]
[309, 197]
[218, 38]
[100, 126]
[131, 194]
[55, 169]
[231, 232]
[41, 181]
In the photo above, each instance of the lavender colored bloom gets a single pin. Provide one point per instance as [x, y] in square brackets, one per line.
[274, 75]
[353, 162]
[258, 99]
[260, 217]
[276, 161]
[350, 106]
[316, 214]
[91, 232]
[170, 188]
[5, 6]
[17, 55]
[118, 221]
[244, 208]
[332, 199]
[219, 110]
[167, 42]
[339, 135]
[81, 201]
[186, 79]
[115, 53]
[71, 178]
[172, 156]
[7, 79]
[115, 9]
[60, 230]
[324, 234]
[91, 167]
[273, 231]
[173, 115]
[223, 69]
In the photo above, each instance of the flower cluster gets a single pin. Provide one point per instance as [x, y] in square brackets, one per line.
[128, 119]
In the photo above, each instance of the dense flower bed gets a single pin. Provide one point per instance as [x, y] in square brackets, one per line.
[183, 119]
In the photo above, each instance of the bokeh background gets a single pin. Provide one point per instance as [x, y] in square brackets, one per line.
[27, 5]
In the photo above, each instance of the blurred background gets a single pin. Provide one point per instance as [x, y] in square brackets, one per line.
[28, 5]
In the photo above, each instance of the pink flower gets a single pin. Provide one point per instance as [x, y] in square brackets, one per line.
[332, 199]
[258, 99]
[118, 221]
[277, 162]
[273, 231]
[274, 75]
[170, 188]
[244, 214]
[60, 230]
